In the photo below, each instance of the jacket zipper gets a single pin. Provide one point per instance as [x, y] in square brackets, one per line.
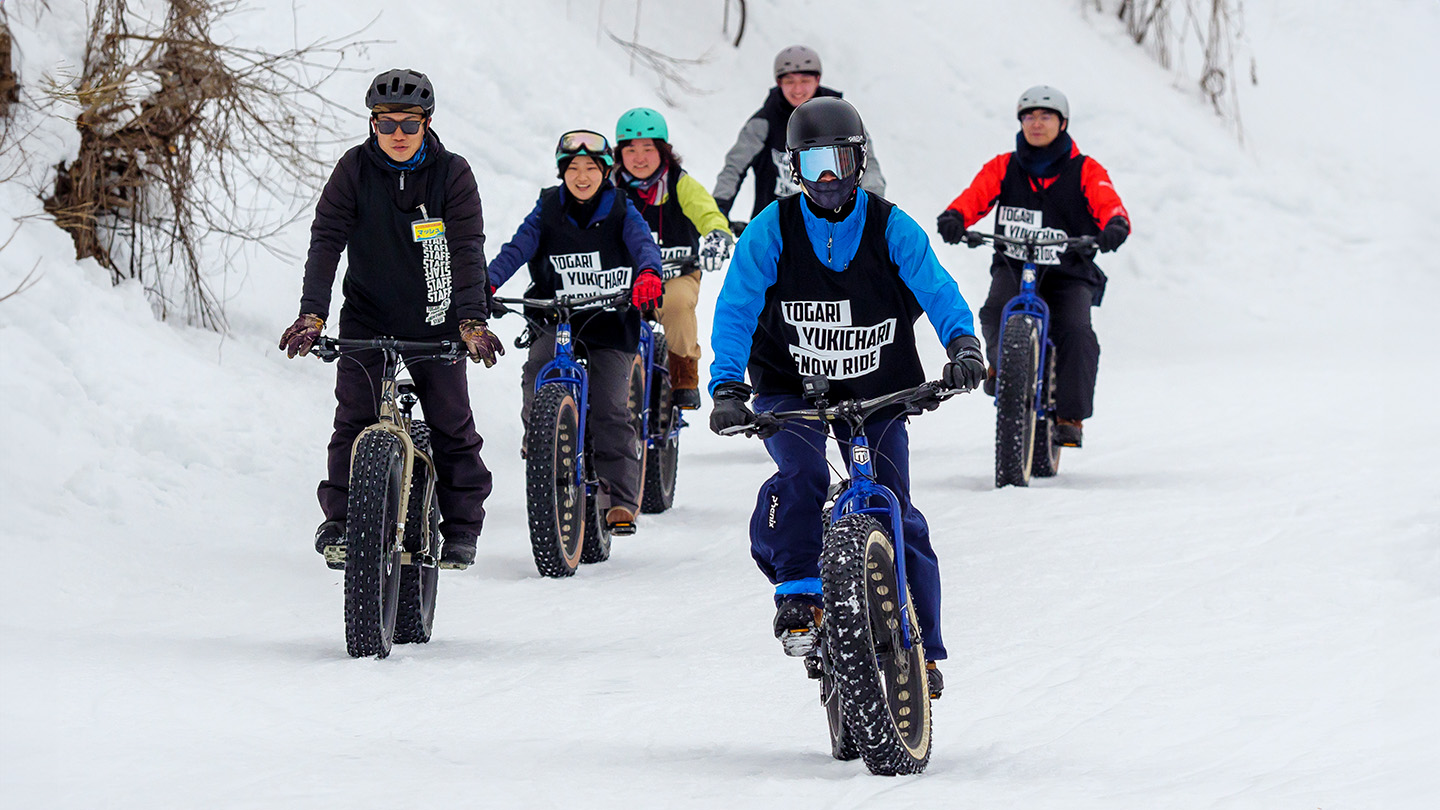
[402, 180]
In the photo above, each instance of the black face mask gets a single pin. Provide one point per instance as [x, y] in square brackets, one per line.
[830, 194]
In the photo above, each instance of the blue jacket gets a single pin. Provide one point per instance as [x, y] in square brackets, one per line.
[521, 247]
[757, 253]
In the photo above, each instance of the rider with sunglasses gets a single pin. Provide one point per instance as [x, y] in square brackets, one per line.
[406, 212]
[832, 282]
[583, 237]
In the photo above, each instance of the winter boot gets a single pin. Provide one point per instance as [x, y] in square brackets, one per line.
[1067, 432]
[330, 541]
[797, 624]
[457, 553]
[935, 679]
[621, 521]
[685, 381]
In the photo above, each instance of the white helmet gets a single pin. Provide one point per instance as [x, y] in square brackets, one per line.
[1043, 97]
[796, 59]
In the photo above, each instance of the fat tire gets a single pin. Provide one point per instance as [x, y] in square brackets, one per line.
[419, 583]
[1047, 451]
[554, 496]
[1015, 402]
[372, 560]
[662, 451]
[842, 739]
[884, 695]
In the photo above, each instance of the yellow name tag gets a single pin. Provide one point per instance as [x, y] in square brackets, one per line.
[427, 229]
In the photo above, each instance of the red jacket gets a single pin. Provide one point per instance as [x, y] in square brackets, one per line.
[984, 191]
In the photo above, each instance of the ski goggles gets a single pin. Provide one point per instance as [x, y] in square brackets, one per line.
[841, 161]
[385, 127]
[584, 142]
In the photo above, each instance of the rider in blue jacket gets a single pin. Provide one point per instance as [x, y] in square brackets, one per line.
[832, 282]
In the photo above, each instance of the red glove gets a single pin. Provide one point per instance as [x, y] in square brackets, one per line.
[649, 291]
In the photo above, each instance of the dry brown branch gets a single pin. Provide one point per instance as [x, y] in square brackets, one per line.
[668, 68]
[187, 142]
[26, 283]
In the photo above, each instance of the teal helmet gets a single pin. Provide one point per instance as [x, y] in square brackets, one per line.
[641, 122]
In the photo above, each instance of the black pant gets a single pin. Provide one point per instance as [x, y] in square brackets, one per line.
[463, 482]
[1077, 350]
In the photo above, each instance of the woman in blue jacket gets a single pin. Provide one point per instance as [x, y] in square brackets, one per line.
[583, 237]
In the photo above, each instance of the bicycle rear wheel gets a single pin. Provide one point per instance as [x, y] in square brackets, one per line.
[1015, 402]
[884, 696]
[419, 583]
[1047, 450]
[554, 495]
[662, 450]
[372, 557]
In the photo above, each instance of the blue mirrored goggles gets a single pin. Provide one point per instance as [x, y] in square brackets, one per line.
[841, 161]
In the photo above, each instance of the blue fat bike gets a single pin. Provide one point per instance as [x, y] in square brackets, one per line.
[392, 525]
[567, 525]
[870, 659]
[1025, 374]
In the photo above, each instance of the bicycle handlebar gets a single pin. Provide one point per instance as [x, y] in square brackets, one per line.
[975, 238]
[330, 349]
[854, 411]
[567, 302]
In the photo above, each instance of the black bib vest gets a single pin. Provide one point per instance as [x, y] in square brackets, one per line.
[585, 261]
[1056, 212]
[856, 327]
[673, 231]
[395, 285]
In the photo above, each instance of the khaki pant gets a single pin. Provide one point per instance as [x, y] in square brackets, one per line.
[677, 315]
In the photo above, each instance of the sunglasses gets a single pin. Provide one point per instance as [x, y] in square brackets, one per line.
[841, 161]
[385, 127]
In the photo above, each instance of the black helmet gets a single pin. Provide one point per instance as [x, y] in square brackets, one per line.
[401, 87]
[827, 123]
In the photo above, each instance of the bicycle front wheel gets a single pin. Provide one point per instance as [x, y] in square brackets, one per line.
[1047, 449]
[884, 695]
[372, 557]
[1015, 402]
[662, 450]
[554, 493]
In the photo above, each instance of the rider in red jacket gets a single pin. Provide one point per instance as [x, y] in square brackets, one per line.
[1047, 187]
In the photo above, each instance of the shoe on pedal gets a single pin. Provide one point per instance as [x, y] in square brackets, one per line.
[797, 625]
[686, 399]
[330, 542]
[1067, 432]
[935, 679]
[620, 520]
[457, 553]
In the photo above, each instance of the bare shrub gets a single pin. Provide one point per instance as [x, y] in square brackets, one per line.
[186, 143]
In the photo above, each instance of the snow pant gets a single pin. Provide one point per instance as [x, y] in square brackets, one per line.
[1077, 350]
[785, 530]
[462, 480]
[613, 421]
[682, 333]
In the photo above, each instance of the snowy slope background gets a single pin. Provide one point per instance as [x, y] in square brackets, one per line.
[1230, 598]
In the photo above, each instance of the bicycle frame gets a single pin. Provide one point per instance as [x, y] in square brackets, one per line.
[1030, 304]
[856, 497]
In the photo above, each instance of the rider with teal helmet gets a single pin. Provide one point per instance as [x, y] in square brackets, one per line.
[678, 210]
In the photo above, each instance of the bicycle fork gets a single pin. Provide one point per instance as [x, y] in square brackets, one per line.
[856, 499]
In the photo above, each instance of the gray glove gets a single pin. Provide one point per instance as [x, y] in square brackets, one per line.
[715, 249]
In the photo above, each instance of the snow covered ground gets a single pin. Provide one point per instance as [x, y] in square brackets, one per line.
[1230, 598]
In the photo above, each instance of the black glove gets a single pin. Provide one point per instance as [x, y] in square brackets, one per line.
[731, 406]
[966, 369]
[1116, 230]
[951, 225]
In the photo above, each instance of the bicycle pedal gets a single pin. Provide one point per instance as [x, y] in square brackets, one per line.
[799, 643]
[624, 529]
[335, 557]
[814, 670]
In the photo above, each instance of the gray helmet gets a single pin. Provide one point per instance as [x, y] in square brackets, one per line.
[401, 87]
[796, 59]
[1043, 97]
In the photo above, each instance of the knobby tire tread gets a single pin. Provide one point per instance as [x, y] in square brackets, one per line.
[556, 512]
[419, 584]
[1015, 402]
[662, 460]
[371, 564]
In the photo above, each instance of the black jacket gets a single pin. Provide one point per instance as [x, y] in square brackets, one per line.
[396, 284]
